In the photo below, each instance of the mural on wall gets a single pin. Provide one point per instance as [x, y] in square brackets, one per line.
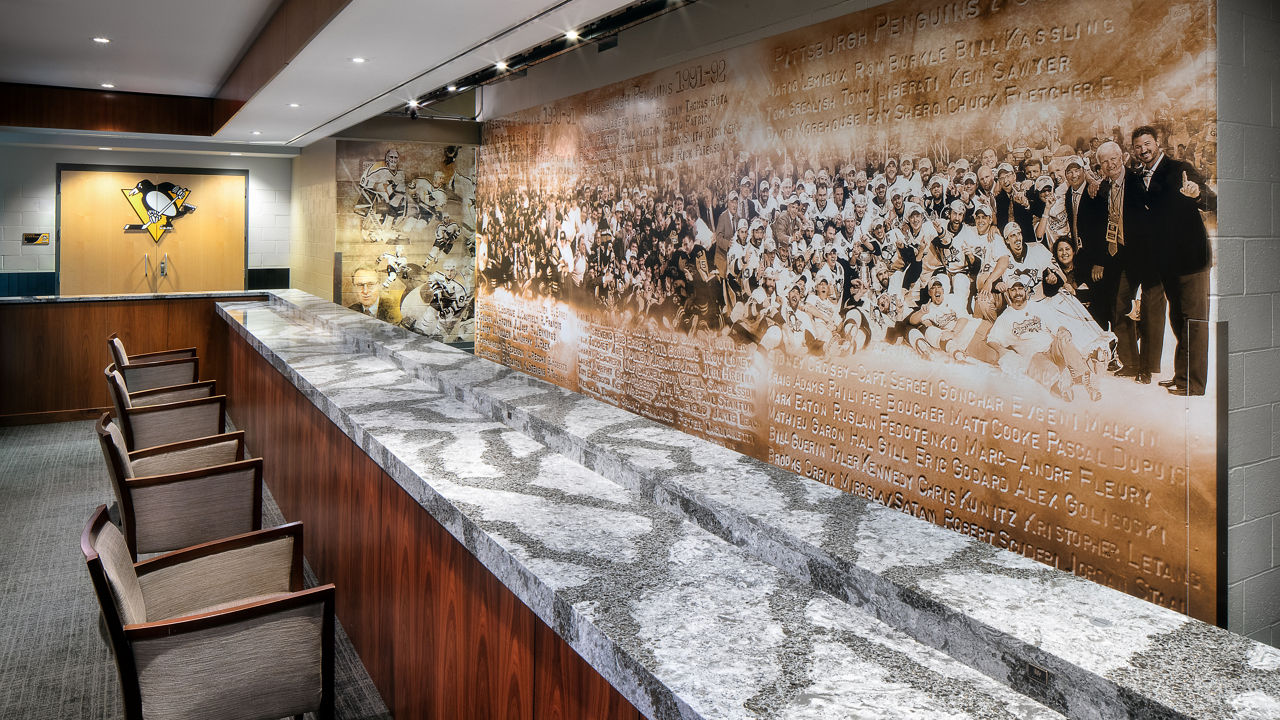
[406, 231]
[953, 257]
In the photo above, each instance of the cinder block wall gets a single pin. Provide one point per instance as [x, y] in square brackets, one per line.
[28, 195]
[1249, 300]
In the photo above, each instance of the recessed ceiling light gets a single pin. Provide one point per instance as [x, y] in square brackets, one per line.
[107, 85]
[235, 153]
[501, 65]
[572, 35]
[452, 88]
[294, 105]
[357, 60]
[256, 132]
[102, 40]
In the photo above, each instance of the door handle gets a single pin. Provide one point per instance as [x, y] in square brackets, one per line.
[164, 263]
[146, 265]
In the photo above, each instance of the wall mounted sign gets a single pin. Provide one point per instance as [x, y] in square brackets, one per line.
[210, 250]
[35, 238]
[858, 250]
[157, 206]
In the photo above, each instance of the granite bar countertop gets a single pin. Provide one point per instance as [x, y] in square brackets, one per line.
[27, 299]
[683, 623]
[1077, 647]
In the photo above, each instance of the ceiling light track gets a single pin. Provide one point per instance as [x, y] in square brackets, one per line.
[594, 31]
[437, 66]
[602, 30]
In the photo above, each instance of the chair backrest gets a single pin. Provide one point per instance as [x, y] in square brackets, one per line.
[115, 582]
[118, 389]
[118, 354]
[119, 400]
[116, 453]
[107, 556]
[114, 449]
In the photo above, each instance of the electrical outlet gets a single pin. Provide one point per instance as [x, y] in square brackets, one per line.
[1038, 674]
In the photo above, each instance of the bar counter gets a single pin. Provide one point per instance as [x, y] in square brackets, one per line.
[694, 581]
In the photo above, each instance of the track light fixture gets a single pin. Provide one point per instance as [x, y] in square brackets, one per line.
[602, 30]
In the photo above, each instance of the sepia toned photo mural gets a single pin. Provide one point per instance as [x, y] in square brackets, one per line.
[953, 257]
[406, 231]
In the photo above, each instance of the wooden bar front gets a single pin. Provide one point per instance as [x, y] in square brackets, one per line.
[55, 352]
[440, 635]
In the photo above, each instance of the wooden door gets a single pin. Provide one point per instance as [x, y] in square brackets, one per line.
[201, 249]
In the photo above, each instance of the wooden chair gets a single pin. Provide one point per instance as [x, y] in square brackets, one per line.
[165, 393]
[218, 630]
[184, 493]
[166, 414]
[145, 371]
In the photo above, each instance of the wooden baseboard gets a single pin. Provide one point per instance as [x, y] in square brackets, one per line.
[52, 416]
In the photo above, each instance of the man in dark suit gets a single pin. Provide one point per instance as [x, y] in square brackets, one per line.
[1118, 197]
[1087, 228]
[369, 298]
[726, 228]
[1172, 195]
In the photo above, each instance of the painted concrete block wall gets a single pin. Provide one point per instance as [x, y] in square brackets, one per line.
[28, 194]
[314, 227]
[1249, 300]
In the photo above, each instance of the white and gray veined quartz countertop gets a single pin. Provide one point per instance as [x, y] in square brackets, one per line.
[703, 583]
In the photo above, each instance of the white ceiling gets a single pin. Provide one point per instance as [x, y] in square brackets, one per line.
[427, 45]
[186, 47]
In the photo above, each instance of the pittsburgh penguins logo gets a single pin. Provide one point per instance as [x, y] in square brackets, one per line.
[1029, 277]
[157, 206]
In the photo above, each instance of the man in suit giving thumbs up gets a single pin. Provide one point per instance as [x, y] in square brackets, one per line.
[1172, 196]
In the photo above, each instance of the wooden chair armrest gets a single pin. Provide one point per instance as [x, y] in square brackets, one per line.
[236, 437]
[172, 393]
[146, 481]
[247, 611]
[177, 354]
[291, 530]
[189, 454]
[145, 376]
[194, 402]
[220, 571]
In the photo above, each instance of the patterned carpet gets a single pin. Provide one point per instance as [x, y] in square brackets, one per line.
[53, 662]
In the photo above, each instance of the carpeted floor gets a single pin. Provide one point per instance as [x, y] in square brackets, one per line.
[53, 662]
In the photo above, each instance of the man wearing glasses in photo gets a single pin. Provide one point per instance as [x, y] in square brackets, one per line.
[368, 296]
